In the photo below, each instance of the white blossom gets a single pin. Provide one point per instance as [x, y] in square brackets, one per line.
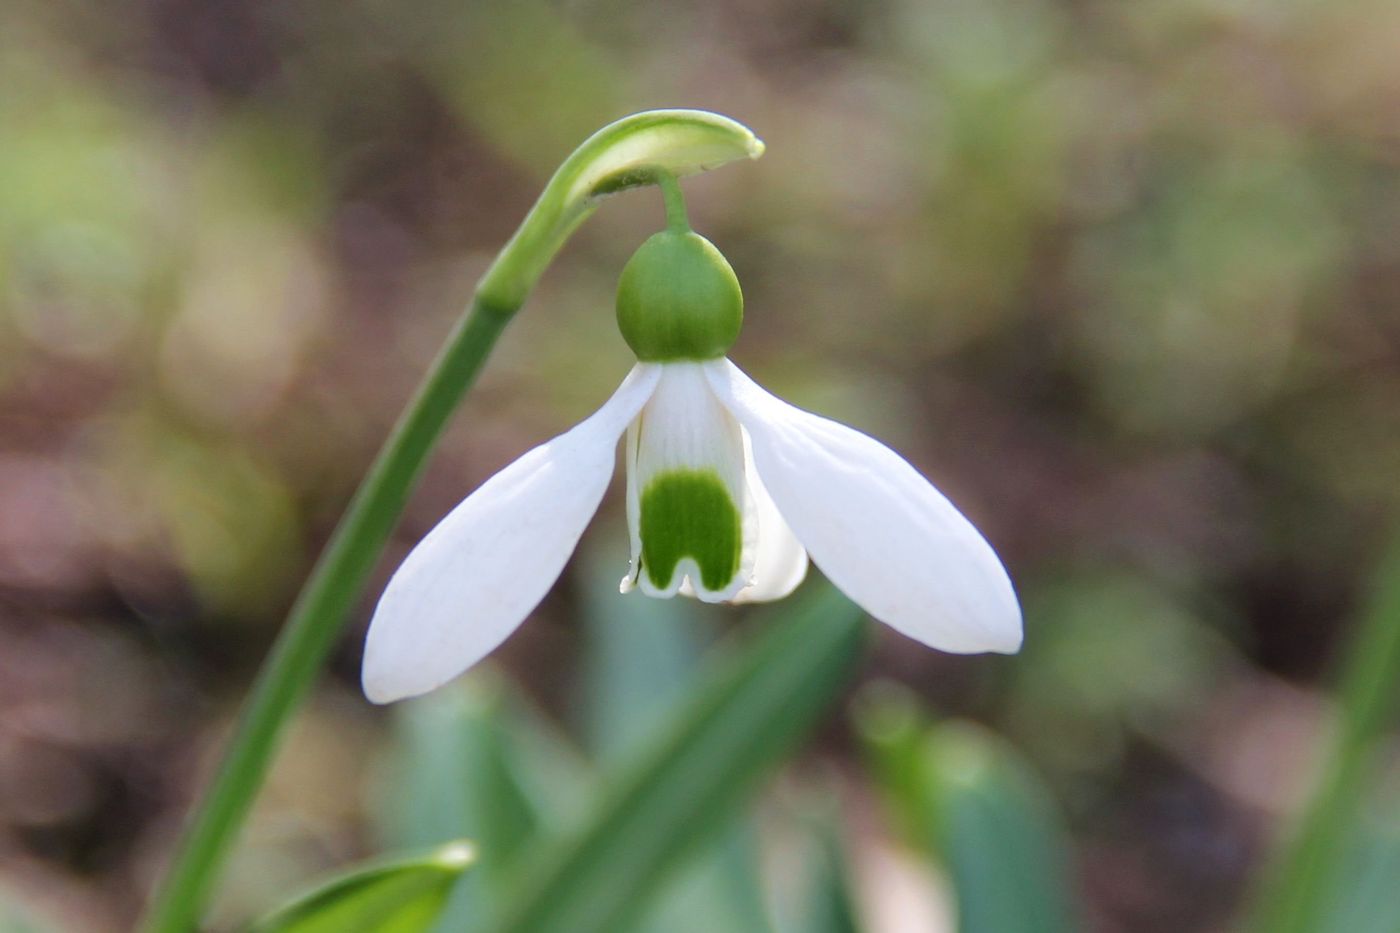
[729, 490]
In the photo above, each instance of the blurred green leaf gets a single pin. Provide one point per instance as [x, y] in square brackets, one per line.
[721, 889]
[452, 777]
[831, 905]
[641, 659]
[742, 719]
[967, 798]
[640, 656]
[400, 896]
[1308, 869]
[1365, 901]
[473, 762]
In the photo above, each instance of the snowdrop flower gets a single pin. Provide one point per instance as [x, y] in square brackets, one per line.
[729, 490]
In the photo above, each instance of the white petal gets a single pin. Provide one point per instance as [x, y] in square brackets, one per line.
[875, 527]
[780, 560]
[684, 430]
[480, 572]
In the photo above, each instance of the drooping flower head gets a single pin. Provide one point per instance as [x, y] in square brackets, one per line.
[729, 490]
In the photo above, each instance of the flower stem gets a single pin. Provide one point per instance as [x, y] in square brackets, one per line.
[676, 218]
[335, 584]
[632, 151]
[1302, 882]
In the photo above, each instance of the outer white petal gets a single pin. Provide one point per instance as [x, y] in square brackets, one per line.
[480, 572]
[780, 560]
[875, 527]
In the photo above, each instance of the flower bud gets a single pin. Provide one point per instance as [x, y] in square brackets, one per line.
[678, 299]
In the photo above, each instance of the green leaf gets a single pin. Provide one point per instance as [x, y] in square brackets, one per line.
[1307, 869]
[400, 896]
[831, 904]
[677, 791]
[970, 801]
[641, 658]
[453, 775]
[472, 761]
[1364, 900]
[719, 889]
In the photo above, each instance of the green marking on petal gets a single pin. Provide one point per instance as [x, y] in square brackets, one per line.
[690, 513]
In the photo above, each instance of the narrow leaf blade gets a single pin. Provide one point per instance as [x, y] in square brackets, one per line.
[703, 760]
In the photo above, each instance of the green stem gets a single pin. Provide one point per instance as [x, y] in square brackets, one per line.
[1302, 882]
[315, 620]
[676, 218]
[631, 152]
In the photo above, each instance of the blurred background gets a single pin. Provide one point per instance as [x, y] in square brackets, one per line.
[1121, 278]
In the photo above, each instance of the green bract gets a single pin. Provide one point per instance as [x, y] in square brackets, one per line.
[642, 149]
[678, 299]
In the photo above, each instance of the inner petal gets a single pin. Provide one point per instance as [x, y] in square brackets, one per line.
[687, 492]
[779, 559]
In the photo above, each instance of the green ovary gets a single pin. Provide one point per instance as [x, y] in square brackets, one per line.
[690, 513]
